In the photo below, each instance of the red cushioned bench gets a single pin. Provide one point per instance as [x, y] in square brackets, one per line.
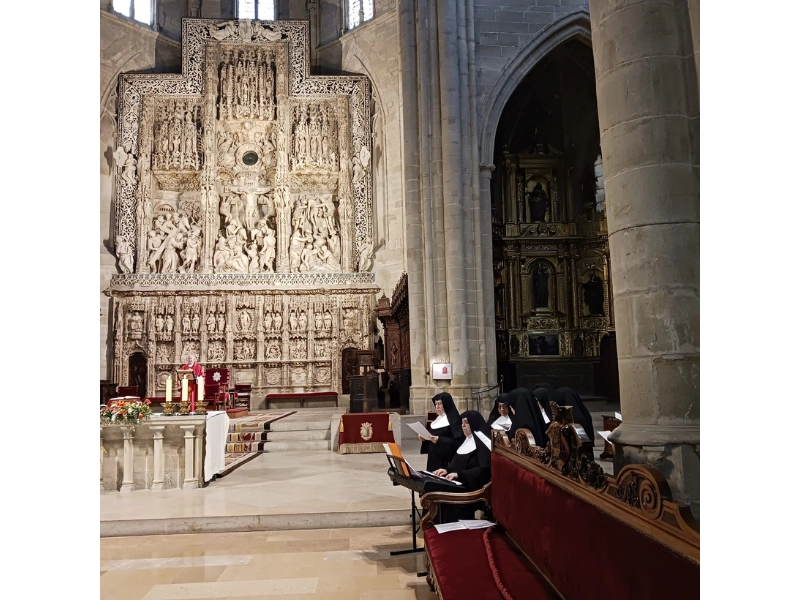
[304, 397]
[566, 530]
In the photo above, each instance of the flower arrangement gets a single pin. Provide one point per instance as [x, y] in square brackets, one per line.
[125, 412]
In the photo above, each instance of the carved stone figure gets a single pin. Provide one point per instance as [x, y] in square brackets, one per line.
[593, 295]
[541, 290]
[169, 324]
[267, 254]
[211, 323]
[278, 320]
[159, 323]
[318, 321]
[186, 322]
[268, 321]
[222, 254]
[252, 254]
[125, 255]
[302, 321]
[293, 321]
[244, 320]
[327, 320]
[127, 163]
[364, 257]
[538, 202]
[135, 326]
[195, 323]
[221, 323]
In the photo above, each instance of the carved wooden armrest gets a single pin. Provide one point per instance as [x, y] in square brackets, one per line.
[431, 501]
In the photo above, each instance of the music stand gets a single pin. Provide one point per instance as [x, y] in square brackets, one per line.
[402, 468]
[189, 373]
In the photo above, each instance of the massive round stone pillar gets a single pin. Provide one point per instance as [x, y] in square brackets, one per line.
[648, 107]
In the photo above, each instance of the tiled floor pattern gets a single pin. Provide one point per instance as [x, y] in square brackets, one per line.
[320, 564]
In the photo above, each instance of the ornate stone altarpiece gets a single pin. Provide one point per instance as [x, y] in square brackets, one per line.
[244, 211]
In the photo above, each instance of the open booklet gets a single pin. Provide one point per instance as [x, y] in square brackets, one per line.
[463, 524]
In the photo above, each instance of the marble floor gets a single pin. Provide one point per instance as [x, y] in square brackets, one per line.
[321, 564]
[282, 490]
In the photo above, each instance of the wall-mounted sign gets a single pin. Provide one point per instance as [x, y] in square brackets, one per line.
[442, 371]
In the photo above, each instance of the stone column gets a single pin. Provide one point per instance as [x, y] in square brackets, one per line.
[189, 478]
[158, 457]
[648, 106]
[127, 459]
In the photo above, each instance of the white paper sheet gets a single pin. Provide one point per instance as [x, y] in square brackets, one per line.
[605, 434]
[582, 433]
[419, 428]
[545, 417]
[476, 523]
[445, 527]
[618, 415]
[442, 478]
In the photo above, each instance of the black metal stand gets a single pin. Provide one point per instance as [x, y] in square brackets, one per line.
[414, 529]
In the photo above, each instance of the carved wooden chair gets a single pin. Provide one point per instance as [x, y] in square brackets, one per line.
[216, 388]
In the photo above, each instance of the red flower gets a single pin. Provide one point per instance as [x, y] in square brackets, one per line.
[141, 415]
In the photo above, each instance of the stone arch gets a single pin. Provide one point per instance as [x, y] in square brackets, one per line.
[574, 26]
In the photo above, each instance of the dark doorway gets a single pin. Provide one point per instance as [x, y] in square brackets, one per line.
[349, 367]
[137, 373]
[609, 366]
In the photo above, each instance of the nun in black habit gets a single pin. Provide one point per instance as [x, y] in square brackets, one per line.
[565, 396]
[446, 433]
[471, 466]
[500, 417]
[528, 416]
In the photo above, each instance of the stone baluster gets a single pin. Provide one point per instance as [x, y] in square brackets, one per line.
[198, 456]
[127, 459]
[189, 479]
[101, 459]
[158, 457]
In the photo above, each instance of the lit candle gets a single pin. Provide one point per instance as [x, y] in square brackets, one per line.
[184, 389]
[201, 389]
[169, 389]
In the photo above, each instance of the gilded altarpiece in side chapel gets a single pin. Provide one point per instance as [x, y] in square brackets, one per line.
[244, 212]
[552, 279]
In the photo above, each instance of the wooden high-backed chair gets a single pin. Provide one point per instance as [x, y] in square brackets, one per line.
[216, 388]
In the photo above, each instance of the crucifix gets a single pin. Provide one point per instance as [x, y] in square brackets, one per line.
[249, 194]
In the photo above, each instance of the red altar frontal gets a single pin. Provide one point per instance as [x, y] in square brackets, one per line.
[360, 433]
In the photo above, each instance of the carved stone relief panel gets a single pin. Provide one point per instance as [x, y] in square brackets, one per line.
[215, 160]
[287, 340]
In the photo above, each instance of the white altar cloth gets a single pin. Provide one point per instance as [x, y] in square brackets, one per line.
[217, 423]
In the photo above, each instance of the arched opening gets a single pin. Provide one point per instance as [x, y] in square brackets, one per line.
[137, 373]
[549, 234]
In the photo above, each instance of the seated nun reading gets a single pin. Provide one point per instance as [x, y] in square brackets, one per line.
[499, 417]
[446, 433]
[528, 416]
[471, 466]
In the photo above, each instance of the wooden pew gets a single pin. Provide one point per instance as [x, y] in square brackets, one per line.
[566, 529]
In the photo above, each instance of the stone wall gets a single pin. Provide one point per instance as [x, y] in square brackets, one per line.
[372, 49]
[125, 46]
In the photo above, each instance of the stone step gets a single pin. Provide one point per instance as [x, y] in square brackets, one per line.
[301, 435]
[290, 424]
[295, 446]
